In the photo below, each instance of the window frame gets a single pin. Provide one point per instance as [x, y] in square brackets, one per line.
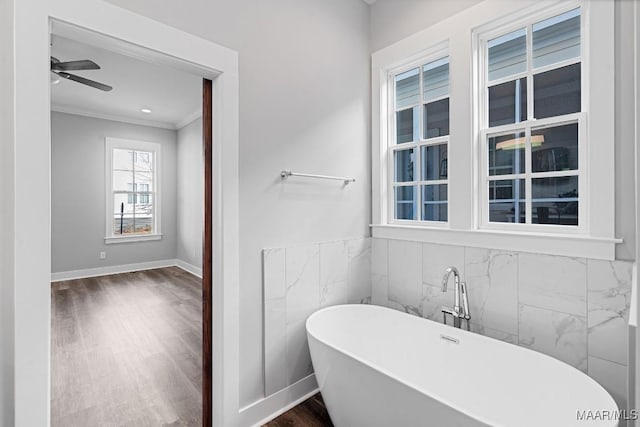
[484, 132]
[128, 144]
[459, 33]
[436, 53]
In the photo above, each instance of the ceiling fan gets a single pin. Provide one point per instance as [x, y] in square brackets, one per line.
[61, 68]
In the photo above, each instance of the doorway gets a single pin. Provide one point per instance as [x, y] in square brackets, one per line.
[136, 219]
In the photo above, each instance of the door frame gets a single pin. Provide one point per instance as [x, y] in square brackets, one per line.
[92, 20]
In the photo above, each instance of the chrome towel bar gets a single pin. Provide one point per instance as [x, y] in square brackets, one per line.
[346, 179]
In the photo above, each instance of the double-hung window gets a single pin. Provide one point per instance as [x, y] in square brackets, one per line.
[529, 130]
[419, 142]
[132, 190]
[532, 125]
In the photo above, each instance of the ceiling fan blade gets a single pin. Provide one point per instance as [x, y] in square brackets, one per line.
[75, 65]
[84, 81]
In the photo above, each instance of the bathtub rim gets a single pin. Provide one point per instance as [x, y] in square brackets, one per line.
[414, 387]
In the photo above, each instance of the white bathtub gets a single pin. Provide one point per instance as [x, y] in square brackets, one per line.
[381, 367]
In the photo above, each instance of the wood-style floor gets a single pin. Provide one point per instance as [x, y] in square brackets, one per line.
[310, 413]
[126, 350]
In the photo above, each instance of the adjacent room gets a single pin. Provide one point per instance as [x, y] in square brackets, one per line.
[126, 234]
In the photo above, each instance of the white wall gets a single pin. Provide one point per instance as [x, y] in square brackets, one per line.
[393, 20]
[304, 105]
[190, 194]
[625, 129]
[78, 188]
[6, 215]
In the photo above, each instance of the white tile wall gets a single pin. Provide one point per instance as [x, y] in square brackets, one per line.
[275, 317]
[561, 335]
[553, 282]
[297, 281]
[609, 286]
[492, 286]
[573, 309]
[612, 376]
[379, 272]
[405, 274]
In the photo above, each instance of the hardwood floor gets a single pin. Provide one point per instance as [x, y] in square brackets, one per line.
[310, 413]
[126, 350]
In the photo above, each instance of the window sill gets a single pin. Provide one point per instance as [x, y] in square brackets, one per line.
[132, 239]
[572, 245]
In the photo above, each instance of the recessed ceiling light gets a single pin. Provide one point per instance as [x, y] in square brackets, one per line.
[146, 110]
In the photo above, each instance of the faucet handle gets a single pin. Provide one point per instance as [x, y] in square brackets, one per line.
[449, 310]
[465, 301]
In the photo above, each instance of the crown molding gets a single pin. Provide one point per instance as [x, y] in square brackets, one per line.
[112, 117]
[196, 114]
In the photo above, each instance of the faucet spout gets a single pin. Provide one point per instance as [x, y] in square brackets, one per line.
[445, 278]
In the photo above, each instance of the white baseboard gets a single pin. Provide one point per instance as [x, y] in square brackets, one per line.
[280, 402]
[189, 268]
[115, 269]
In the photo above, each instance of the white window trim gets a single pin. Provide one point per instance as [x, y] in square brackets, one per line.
[433, 54]
[110, 145]
[599, 240]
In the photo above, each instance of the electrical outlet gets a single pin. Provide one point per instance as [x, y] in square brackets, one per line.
[103, 255]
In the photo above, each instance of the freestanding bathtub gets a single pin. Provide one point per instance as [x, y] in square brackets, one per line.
[380, 367]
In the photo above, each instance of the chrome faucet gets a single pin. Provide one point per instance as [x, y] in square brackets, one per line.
[460, 292]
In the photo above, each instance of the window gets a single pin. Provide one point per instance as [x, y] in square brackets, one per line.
[132, 190]
[419, 146]
[532, 122]
[529, 129]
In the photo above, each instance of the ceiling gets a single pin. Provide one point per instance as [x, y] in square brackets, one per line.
[173, 96]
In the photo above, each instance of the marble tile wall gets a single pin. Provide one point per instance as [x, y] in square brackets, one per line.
[297, 281]
[574, 309]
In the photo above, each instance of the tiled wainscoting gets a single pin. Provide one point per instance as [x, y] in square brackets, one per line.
[574, 309]
[297, 281]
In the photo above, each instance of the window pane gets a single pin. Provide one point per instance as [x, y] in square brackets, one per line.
[508, 102]
[508, 55]
[507, 201]
[118, 200]
[434, 202]
[557, 92]
[122, 159]
[436, 118]
[556, 39]
[408, 88]
[555, 200]
[122, 214]
[434, 162]
[143, 161]
[144, 198]
[404, 165]
[435, 79]
[122, 180]
[506, 154]
[407, 125]
[144, 179]
[143, 222]
[555, 148]
[405, 198]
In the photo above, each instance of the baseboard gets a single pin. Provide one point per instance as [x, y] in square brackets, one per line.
[189, 268]
[115, 269]
[278, 403]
